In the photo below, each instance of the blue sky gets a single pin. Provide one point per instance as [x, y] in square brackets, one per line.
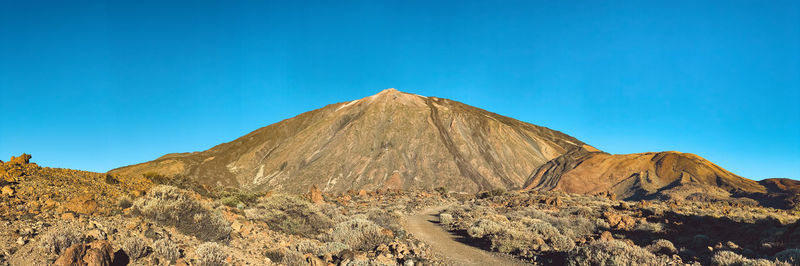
[97, 85]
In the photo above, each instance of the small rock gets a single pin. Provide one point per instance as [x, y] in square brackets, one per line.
[383, 248]
[67, 216]
[316, 195]
[7, 191]
[84, 204]
[606, 236]
[20, 241]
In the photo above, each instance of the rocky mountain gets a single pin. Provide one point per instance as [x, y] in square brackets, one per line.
[640, 176]
[391, 140]
[396, 140]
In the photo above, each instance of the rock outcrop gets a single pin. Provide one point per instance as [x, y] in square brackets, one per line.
[97, 253]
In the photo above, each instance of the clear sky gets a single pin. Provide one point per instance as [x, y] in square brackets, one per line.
[97, 85]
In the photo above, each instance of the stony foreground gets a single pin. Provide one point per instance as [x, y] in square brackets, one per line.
[68, 217]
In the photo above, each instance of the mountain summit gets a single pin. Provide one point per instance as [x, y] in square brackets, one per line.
[389, 140]
[397, 140]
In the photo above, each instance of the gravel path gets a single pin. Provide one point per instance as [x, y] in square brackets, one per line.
[424, 226]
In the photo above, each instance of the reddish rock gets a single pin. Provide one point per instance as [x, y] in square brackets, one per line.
[619, 221]
[316, 195]
[97, 253]
[84, 204]
[22, 159]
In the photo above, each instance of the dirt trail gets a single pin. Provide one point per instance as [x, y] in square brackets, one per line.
[423, 226]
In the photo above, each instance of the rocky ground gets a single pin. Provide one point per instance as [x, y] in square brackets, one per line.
[68, 217]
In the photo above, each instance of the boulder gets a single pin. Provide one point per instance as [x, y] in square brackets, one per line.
[97, 253]
[84, 204]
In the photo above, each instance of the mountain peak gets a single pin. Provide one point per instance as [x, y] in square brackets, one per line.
[388, 91]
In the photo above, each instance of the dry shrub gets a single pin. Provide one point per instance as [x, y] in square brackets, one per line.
[135, 248]
[446, 218]
[61, 237]
[571, 226]
[166, 249]
[789, 255]
[386, 219]
[729, 258]
[524, 236]
[170, 206]
[359, 234]
[649, 227]
[124, 202]
[612, 252]
[286, 257]
[662, 246]
[291, 215]
[211, 254]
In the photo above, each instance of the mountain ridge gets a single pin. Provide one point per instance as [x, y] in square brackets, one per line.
[398, 140]
[456, 140]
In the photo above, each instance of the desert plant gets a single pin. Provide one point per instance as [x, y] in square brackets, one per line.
[729, 258]
[649, 227]
[135, 248]
[789, 255]
[211, 254]
[291, 215]
[445, 218]
[523, 237]
[111, 180]
[491, 193]
[174, 207]
[166, 249]
[124, 202]
[61, 237]
[238, 199]
[386, 219]
[612, 252]
[285, 256]
[359, 234]
[662, 246]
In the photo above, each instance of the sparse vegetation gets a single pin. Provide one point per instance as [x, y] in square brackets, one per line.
[171, 206]
[135, 248]
[124, 202]
[359, 234]
[290, 214]
[238, 199]
[166, 249]
[729, 258]
[60, 238]
[285, 256]
[612, 252]
[662, 246]
[211, 254]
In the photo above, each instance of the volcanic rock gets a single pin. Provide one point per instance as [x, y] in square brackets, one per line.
[391, 140]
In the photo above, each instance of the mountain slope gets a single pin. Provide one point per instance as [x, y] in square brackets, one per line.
[641, 175]
[389, 140]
